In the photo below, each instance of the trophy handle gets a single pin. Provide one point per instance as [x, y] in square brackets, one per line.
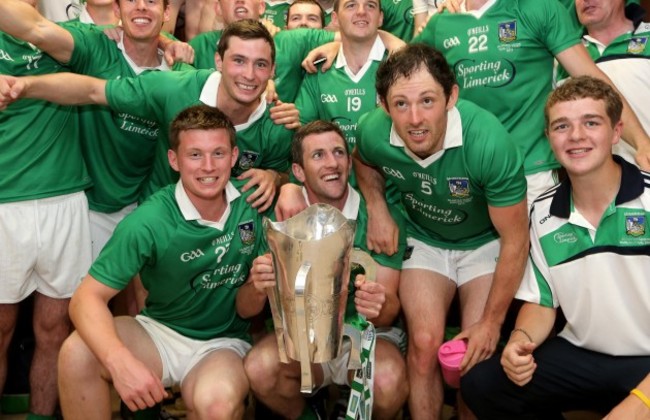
[306, 382]
[369, 265]
[364, 259]
[279, 326]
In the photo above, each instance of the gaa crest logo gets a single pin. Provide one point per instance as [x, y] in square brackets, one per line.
[247, 232]
[247, 160]
[508, 31]
[635, 225]
[459, 187]
[637, 45]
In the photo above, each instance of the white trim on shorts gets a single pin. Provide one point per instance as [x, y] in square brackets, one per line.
[460, 266]
[179, 354]
[45, 246]
[102, 226]
[336, 370]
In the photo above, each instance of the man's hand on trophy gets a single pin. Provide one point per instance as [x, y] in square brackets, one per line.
[369, 297]
[262, 273]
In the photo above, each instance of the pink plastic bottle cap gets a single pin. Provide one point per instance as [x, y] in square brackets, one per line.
[450, 355]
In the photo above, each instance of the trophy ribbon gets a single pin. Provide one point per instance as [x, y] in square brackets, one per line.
[361, 393]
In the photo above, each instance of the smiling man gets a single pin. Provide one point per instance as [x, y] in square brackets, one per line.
[193, 244]
[321, 160]
[461, 182]
[118, 146]
[246, 59]
[589, 256]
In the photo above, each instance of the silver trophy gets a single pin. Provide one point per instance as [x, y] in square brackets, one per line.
[312, 252]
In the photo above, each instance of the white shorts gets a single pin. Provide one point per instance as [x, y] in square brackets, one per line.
[179, 354]
[44, 247]
[459, 266]
[336, 371]
[102, 226]
[538, 183]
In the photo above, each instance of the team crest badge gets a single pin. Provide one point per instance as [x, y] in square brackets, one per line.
[508, 31]
[635, 225]
[247, 160]
[637, 45]
[459, 187]
[247, 232]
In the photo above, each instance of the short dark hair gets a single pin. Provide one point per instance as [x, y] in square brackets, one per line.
[587, 87]
[407, 61]
[314, 127]
[200, 117]
[313, 2]
[245, 29]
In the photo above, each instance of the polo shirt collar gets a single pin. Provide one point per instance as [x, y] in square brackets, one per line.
[209, 97]
[632, 186]
[190, 212]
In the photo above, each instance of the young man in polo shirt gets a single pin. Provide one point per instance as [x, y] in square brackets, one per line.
[590, 255]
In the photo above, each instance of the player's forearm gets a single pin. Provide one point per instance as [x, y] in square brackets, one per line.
[508, 274]
[249, 301]
[371, 183]
[95, 324]
[534, 323]
[66, 89]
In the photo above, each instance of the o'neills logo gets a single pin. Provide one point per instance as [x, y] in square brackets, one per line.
[565, 238]
[486, 73]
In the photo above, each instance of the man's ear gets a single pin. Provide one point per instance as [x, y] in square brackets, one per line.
[116, 9]
[384, 105]
[618, 131]
[173, 159]
[453, 97]
[166, 16]
[233, 158]
[217, 61]
[298, 172]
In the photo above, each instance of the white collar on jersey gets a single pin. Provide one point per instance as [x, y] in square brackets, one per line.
[478, 12]
[453, 138]
[191, 213]
[209, 97]
[351, 207]
[137, 69]
[376, 54]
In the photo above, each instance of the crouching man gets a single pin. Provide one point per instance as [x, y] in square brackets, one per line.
[590, 256]
[322, 162]
[193, 244]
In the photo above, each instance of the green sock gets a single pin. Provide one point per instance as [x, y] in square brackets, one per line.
[32, 416]
[308, 414]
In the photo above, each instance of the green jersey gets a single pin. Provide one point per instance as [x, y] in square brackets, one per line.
[398, 18]
[261, 143]
[191, 268]
[118, 147]
[446, 195]
[205, 47]
[41, 155]
[276, 13]
[291, 47]
[502, 56]
[340, 96]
